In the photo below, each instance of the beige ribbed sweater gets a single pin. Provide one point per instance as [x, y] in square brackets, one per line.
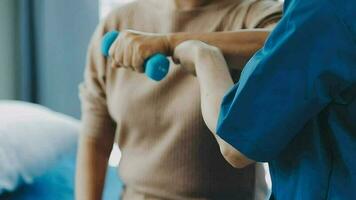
[167, 151]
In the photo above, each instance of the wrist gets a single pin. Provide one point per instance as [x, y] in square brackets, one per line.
[170, 44]
[206, 54]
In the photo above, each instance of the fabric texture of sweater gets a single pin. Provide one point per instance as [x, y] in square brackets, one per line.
[167, 151]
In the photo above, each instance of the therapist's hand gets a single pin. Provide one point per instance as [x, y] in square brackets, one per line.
[188, 53]
[132, 48]
[214, 80]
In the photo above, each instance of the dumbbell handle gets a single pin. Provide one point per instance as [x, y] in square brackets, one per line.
[156, 66]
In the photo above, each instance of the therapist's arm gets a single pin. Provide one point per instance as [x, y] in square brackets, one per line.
[214, 78]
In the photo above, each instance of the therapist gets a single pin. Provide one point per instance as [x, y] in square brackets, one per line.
[295, 104]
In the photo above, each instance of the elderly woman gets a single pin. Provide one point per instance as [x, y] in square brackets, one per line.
[167, 150]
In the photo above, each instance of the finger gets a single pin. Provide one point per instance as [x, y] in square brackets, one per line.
[119, 56]
[113, 64]
[127, 55]
[175, 60]
[137, 63]
[176, 55]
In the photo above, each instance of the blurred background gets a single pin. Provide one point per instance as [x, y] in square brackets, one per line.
[43, 47]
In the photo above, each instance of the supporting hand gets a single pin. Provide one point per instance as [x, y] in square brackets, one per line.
[214, 79]
[188, 53]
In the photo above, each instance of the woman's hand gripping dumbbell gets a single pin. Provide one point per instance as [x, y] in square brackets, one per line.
[131, 49]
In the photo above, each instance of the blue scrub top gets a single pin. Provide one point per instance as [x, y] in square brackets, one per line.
[295, 104]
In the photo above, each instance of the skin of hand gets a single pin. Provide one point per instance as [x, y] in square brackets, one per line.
[132, 48]
[210, 67]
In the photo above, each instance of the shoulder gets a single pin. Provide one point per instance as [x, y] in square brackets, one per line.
[96, 63]
[118, 16]
[250, 14]
[265, 4]
[261, 13]
[122, 14]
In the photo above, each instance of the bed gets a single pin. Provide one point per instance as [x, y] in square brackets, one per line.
[38, 154]
[58, 184]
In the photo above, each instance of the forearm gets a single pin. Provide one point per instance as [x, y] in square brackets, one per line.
[214, 79]
[92, 162]
[237, 47]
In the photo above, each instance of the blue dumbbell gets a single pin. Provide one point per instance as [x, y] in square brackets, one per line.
[156, 66]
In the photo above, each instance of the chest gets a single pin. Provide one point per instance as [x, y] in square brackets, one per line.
[230, 17]
[134, 99]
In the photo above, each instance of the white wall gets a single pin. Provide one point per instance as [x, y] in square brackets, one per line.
[8, 49]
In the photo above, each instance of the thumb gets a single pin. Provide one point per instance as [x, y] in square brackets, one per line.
[175, 60]
[178, 54]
